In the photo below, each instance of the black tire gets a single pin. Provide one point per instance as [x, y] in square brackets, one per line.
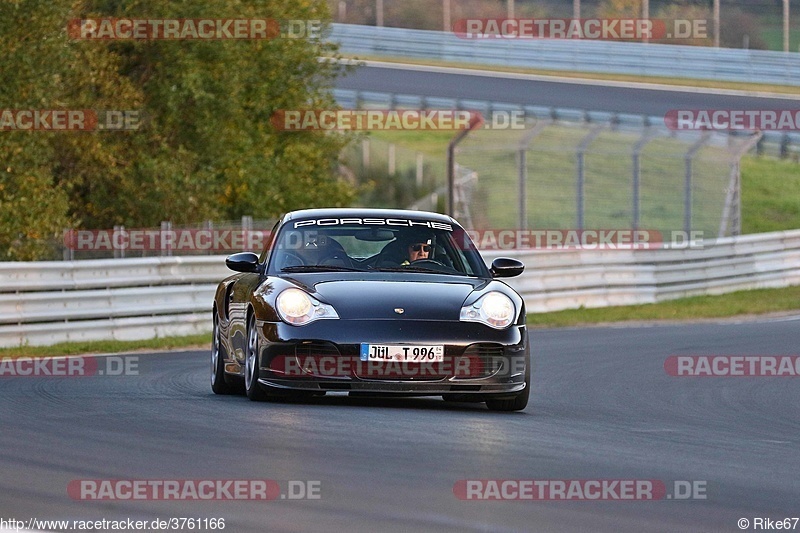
[518, 402]
[251, 372]
[219, 382]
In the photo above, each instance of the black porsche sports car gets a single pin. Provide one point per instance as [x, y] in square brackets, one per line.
[371, 301]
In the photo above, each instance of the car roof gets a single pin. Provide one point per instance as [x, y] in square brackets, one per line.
[357, 212]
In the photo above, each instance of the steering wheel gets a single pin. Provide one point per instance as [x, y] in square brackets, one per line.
[289, 256]
[423, 262]
[337, 257]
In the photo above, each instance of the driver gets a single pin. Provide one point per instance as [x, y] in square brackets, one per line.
[418, 248]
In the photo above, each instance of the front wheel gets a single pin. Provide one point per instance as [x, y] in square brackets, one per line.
[251, 364]
[218, 383]
[518, 402]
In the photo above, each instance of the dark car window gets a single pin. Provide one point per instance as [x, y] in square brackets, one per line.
[330, 245]
[265, 254]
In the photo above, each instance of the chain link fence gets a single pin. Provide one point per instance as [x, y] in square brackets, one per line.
[551, 175]
[583, 175]
[563, 174]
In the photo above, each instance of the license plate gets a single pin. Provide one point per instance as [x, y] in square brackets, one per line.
[404, 353]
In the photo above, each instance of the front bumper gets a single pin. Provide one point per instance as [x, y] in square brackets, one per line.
[324, 356]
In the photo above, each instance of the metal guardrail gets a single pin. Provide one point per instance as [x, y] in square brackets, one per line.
[45, 303]
[556, 280]
[693, 62]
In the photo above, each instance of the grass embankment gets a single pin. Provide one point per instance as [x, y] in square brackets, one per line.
[201, 341]
[753, 302]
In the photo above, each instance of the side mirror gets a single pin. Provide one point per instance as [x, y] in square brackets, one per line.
[504, 267]
[242, 262]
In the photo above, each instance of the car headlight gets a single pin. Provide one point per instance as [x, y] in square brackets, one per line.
[494, 309]
[298, 308]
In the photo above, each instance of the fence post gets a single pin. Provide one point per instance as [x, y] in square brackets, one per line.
[474, 123]
[636, 193]
[587, 140]
[247, 226]
[687, 184]
[119, 253]
[166, 249]
[522, 192]
[365, 154]
[69, 246]
[732, 212]
[208, 226]
[522, 172]
[420, 168]
[392, 159]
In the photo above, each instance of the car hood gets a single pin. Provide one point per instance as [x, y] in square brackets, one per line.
[382, 300]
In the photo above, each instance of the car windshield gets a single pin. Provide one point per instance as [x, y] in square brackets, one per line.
[374, 245]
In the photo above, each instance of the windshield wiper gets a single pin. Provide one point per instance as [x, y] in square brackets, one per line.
[320, 268]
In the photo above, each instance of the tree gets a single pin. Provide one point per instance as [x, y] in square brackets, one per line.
[205, 149]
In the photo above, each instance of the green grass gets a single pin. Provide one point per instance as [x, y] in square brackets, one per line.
[753, 302]
[770, 194]
[93, 347]
[773, 37]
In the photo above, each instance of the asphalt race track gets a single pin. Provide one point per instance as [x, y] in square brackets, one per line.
[602, 407]
[573, 94]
